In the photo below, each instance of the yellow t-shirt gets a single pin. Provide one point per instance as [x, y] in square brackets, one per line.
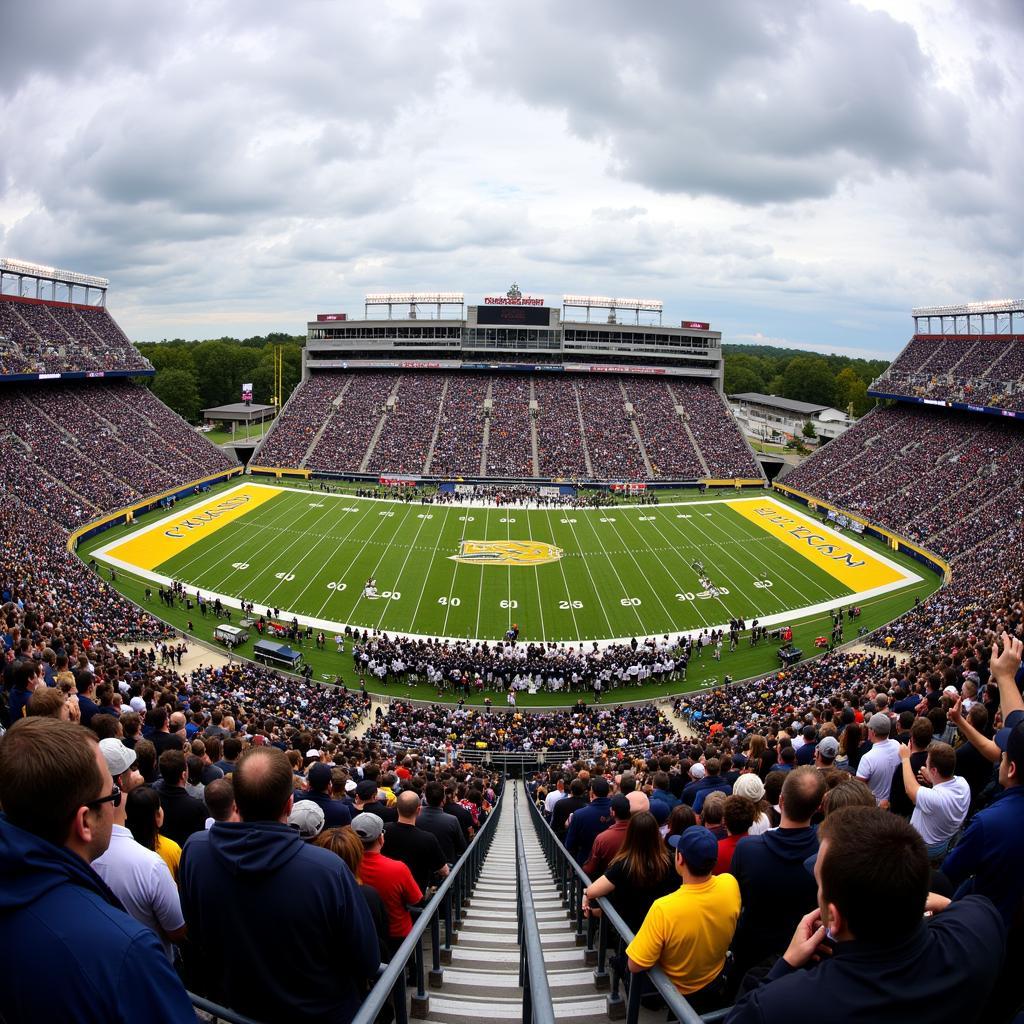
[170, 851]
[687, 934]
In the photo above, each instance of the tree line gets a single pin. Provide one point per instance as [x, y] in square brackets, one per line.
[819, 378]
[196, 375]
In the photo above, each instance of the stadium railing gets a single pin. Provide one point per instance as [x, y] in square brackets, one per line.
[444, 906]
[533, 979]
[605, 940]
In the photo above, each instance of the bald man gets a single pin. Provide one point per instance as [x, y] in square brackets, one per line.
[415, 847]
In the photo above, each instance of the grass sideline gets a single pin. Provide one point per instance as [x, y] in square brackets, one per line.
[744, 663]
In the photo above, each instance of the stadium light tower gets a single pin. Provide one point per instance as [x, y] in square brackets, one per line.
[414, 300]
[613, 305]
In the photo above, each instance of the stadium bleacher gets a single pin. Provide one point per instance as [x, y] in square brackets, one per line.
[445, 417]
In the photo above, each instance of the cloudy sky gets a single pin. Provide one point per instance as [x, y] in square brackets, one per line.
[798, 173]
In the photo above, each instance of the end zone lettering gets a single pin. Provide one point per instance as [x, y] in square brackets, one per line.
[814, 540]
[202, 518]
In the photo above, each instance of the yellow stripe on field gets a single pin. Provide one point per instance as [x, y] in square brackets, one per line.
[848, 563]
[153, 547]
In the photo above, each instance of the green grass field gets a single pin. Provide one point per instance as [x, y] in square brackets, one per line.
[624, 571]
[296, 502]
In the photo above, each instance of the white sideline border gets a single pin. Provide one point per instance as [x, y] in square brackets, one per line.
[332, 627]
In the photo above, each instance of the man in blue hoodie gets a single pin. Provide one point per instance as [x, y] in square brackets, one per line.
[309, 946]
[80, 958]
[775, 887]
[590, 821]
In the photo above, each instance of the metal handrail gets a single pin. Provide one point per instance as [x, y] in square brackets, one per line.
[572, 881]
[446, 904]
[533, 978]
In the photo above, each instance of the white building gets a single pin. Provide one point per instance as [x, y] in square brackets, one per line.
[769, 418]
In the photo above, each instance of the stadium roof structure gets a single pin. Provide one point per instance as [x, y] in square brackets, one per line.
[240, 411]
[786, 404]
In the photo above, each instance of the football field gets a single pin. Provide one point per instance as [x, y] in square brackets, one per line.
[462, 571]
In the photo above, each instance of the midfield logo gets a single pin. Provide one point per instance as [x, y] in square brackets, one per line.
[507, 552]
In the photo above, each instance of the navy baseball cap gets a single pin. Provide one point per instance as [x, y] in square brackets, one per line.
[698, 847]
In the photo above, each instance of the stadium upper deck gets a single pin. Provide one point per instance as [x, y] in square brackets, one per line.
[590, 334]
[968, 357]
[43, 337]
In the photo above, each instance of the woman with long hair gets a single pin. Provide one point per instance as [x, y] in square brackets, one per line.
[642, 871]
[144, 816]
[851, 748]
[344, 843]
[759, 758]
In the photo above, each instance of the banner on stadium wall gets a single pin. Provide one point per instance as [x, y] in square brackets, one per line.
[321, 317]
[632, 488]
[399, 481]
[696, 325]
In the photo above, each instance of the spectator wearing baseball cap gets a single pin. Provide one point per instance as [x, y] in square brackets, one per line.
[825, 753]
[391, 878]
[138, 877]
[367, 802]
[307, 818]
[688, 933]
[878, 766]
[336, 812]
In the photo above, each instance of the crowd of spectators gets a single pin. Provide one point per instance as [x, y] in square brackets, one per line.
[509, 449]
[298, 423]
[438, 422]
[346, 438]
[94, 447]
[42, 337]
[669, 449]
[460, 435]
[986, 370]
[561, 451]
[404, 441]
[720, 441]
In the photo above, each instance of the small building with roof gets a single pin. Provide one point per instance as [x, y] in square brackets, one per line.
[770, 418]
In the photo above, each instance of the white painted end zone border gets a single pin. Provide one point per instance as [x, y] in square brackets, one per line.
[907, 577]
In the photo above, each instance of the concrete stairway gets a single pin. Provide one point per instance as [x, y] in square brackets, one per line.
[482, 981]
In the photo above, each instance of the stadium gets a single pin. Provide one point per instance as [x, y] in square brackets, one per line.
[510, 502]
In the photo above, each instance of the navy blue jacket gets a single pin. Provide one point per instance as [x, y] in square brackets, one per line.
[942, 972]
[279, 928]
[710, 784]
[71, 953]
[987, 860]
[336, 812]
[586, 825]
[776, 890]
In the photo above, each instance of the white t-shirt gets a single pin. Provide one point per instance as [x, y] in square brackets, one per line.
[141, 880]
[878, 766]
[940, 811]
[552, 798]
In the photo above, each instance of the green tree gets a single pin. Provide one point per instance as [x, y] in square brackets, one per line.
[809, 379]
[743, 373]
[808, 430]
[851, 390]
[177, 389]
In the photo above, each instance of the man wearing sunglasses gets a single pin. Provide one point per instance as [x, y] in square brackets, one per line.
[59, 804]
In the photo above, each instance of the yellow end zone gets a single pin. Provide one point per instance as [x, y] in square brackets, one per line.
[161, 541]
[851, 564]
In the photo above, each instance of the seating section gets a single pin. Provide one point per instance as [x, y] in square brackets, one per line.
[560, 447]
[455, 406]
[350, 429]
[509, 450]
[669, 449]
[460, 436]
[918, 472]
[38, 337]
[977, 370]
[96, 446]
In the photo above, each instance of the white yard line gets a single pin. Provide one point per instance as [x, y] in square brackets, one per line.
[565, 583]
[384, 554]
[430, 567]
[405, 562]
[455, 573]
